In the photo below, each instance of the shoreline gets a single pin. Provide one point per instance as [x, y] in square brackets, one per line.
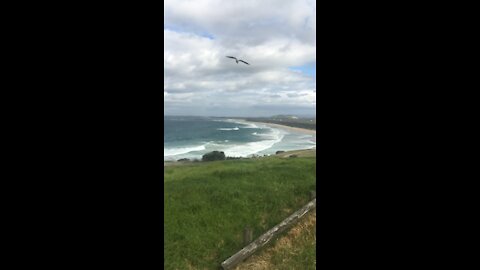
[272, 125]
[289, 128]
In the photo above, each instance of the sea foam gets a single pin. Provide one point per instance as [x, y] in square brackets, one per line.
[235, 128]
[182, 150]
[263, 140]
[248, 149]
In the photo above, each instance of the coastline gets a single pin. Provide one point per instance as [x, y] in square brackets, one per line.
[289, 128]
[272, 125]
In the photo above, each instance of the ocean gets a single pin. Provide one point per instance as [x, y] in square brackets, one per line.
[192, 137]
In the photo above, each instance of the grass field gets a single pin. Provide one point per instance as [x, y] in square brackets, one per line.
[207, 205]
[293, 251]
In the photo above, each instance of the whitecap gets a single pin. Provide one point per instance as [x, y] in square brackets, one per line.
[248, 149]
[182, 150]
[261, 134]
[235, 128]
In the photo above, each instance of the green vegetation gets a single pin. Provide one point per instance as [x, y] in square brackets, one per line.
[212, 156]
[299, 153]
[208, 204]
[295, 250]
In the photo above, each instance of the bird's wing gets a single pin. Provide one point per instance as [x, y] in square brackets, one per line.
[232, 57]
[244, 62]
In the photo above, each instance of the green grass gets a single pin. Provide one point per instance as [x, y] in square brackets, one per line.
[207, 205]
[299, 153]
[295, 249]
[300, 252]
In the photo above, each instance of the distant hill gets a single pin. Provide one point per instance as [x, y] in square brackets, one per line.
[284, 117]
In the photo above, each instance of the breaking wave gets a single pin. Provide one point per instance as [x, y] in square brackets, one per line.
[248, 149]
[235, 128]
[182, 150]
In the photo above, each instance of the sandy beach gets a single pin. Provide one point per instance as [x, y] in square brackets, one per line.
[287, 128]
[295, 129]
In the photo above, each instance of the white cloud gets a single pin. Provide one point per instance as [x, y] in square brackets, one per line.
[198, 75]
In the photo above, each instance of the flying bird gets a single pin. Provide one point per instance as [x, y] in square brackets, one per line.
[238, 60]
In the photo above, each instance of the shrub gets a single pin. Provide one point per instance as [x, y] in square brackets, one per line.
[279, 152]
[212, 156]
[183, 159]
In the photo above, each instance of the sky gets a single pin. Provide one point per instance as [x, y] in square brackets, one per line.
[277, 38]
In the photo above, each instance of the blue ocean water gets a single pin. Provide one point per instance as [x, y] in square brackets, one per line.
[191, 137]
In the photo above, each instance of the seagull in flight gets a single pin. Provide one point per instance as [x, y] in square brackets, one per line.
[238, 60]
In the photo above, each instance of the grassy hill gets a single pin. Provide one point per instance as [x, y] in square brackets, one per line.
[207, 205]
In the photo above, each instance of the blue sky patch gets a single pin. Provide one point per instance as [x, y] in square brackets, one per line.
[179, 29]
[308, 69]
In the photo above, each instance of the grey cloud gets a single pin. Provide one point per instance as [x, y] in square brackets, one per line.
[256, 21]
[197, 73]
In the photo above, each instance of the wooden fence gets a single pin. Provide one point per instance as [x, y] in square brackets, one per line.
[251, 248]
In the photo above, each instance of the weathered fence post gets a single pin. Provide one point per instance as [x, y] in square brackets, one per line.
[244, 253]
[247, 235]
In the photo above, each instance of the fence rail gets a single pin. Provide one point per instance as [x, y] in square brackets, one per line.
[266, 237]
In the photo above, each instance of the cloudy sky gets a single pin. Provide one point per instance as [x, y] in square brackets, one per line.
[278, 39]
